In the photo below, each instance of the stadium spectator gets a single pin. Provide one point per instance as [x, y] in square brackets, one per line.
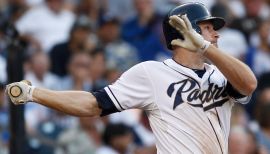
[262, 94]
[263, 134]
[78, 68]
[91, 9]
[243, 141]
[122, 9]
[120, 55]
[239, 116]
[117, 138]
[248, 23]
[258, 57]
[78, 41]
[46, 25]
[232, 41]
[97, 69]
[144, 32]
[38, 73]
[83, 139]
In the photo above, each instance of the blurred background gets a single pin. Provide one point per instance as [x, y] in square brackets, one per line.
[87, 44]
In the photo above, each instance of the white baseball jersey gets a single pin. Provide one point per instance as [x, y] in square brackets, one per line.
[187, 114]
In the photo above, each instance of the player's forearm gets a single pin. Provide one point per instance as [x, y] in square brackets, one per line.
[238, 73]
[77, 103]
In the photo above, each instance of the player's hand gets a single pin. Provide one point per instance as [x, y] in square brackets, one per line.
[192, 40]
[20, 92]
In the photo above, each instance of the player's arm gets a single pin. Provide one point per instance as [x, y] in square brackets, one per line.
[77, 103]
[236, 72]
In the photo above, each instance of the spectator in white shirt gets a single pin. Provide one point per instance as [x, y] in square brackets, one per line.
[47, 24]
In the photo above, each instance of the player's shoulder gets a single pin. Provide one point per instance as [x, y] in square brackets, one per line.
[143, 67]
[149, 63]
[140, 71]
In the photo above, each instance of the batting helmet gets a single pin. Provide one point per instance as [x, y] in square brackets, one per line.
[196, 13]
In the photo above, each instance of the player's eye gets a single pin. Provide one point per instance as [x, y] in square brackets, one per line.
[207, 27]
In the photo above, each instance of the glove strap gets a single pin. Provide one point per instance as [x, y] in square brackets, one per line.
[30, 93]
[204, 47]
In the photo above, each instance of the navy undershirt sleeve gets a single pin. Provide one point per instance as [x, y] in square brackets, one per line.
[233, 92]
[105, 103]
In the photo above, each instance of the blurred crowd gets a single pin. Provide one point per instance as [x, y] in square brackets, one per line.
[88, 44]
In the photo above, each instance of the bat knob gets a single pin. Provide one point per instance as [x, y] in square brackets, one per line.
[15, 91]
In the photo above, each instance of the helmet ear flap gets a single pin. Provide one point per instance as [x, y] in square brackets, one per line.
[170, 33]
[198, 30]
[196, 27]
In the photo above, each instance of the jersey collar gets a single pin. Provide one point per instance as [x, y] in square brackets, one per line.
[188, 71]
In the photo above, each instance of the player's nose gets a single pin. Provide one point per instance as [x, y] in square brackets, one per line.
[215, 34]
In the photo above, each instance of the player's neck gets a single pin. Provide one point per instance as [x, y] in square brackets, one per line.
[189, 59]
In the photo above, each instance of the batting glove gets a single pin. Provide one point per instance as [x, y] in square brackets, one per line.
[192, 40]
[20, 92]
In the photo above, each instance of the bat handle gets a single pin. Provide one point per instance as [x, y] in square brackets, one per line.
[16, 90]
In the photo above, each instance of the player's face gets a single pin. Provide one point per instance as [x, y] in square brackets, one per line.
[208, 32]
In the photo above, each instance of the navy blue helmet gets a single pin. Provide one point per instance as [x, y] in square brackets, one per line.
[196, 13]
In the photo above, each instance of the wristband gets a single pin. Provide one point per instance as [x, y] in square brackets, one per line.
[205, 46]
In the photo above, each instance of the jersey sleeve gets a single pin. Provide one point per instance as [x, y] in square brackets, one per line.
[234, 94]
[132, 90]
[104, 102]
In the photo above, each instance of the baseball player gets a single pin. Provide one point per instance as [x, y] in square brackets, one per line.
[188, 102]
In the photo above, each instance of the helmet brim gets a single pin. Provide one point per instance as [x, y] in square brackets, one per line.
[217, 22]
